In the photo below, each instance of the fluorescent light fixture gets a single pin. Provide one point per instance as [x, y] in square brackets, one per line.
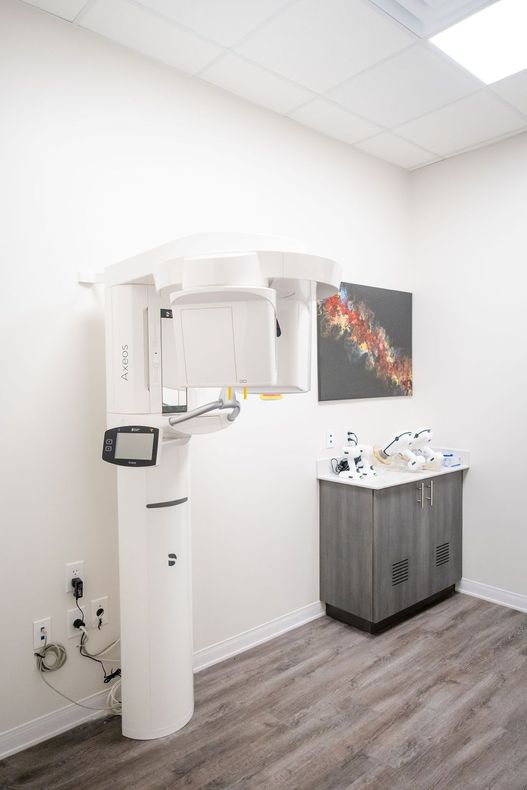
[492, 44]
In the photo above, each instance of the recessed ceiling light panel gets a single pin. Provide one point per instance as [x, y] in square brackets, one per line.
[492, 43]
[425, 18]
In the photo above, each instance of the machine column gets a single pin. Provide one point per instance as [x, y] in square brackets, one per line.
[156, 595]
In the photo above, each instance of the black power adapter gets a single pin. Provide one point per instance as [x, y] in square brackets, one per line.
[78, 591]
[78, 587]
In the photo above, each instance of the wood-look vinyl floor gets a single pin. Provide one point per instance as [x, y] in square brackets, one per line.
[439, 701]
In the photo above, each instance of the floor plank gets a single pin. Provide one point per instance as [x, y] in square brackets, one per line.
[436, 703]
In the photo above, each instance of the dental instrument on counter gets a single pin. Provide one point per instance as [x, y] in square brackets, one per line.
[410, 446]
[354, 463]
[398, 447]
[420, 443]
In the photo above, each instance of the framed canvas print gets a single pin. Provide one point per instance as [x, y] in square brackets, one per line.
[364, 339]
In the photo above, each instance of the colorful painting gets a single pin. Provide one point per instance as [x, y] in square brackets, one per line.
[364, 343]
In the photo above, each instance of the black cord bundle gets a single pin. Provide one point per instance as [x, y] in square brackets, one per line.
[341, 465]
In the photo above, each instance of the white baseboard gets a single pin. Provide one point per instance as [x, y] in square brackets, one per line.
[256, 636]
[493, 594]
[38, 730]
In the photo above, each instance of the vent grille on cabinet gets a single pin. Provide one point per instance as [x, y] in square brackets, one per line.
[399, 572]
[442, 554]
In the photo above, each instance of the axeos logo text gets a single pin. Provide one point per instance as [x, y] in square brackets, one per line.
[124, 362]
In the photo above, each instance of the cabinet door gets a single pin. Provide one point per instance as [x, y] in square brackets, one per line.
[400, 555]
[346, 548]
[443, 510]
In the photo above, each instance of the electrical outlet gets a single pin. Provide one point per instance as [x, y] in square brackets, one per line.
[96, 605]
[71, 616]
[41, 632]
[74, 570]
[330, 439]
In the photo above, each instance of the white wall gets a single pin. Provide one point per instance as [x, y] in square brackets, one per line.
[469, 217]
[105, 154]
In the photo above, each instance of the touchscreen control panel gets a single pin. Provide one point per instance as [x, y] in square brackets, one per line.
[131, 445]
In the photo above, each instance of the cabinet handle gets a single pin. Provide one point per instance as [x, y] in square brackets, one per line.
[422, 500]
[431, 497]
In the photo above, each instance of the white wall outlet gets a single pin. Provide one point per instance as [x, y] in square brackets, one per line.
[96, 605]
[330, 439]
[71, 616]
[41, 632]
[74, 570]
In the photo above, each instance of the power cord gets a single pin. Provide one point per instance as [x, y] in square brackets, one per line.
[59, 655]
[105, 650]
[341, 465]
[53, 656]
[78, 591]
[54, 650]
[113, 700]
[108, 676]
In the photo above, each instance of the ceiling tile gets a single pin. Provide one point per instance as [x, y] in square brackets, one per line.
[256, 84]
[393, 149]
[138, 29]
[319, 43]
[514, 90]
[224, 21]
[410, 84]
[330, 119]
[466, 123]
[67, 9]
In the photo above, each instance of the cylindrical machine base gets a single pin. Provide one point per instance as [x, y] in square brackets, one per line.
[156, 596]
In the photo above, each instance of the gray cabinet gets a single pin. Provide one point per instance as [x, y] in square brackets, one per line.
[386, 553]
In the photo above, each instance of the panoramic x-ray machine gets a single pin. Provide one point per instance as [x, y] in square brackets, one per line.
[218, 310]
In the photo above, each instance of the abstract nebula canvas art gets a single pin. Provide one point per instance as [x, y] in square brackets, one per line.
[364, 343]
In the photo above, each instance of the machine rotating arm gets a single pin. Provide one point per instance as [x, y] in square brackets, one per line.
[219, 404]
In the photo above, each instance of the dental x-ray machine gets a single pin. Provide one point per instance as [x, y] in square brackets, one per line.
[217, 310]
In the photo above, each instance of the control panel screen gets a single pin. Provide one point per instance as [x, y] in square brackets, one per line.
[136, 446]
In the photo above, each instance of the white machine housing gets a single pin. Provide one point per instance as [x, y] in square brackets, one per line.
[225, 336]
[222, 310]
[241, 318]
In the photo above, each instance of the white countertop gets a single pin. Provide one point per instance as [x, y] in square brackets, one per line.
[391, 475]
